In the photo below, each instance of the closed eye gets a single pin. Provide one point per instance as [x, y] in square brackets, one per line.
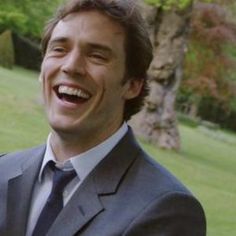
[58, 49]
[97, 55]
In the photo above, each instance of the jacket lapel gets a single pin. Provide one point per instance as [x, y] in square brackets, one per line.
[105, 179]
[83, 206]
[20, 186]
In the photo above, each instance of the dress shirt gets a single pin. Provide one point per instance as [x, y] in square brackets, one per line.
[83, 164]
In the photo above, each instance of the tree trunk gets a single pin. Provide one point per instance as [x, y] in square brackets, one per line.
[157, 122]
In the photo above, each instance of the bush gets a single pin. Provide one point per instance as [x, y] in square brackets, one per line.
[11, 19]
[6, 49]
[210, 109]
[27, 53]
[188, 120]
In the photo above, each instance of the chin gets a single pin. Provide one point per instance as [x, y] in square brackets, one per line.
[60, 126]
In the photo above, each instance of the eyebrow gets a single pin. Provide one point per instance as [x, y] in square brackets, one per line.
[100, 47]
[58, 40]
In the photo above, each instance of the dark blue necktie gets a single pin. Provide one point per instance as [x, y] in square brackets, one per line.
[54, 202]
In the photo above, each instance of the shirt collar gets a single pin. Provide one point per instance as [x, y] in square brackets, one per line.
[48, 156]
[85, 162]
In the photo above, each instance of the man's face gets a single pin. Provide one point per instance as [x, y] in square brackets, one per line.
[82, 74]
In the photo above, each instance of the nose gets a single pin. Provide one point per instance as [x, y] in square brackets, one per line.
[74, 64]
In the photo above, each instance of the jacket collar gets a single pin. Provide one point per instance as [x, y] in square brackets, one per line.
[20, 186]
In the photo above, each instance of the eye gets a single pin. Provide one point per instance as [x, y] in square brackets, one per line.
[97, 55]
[58, 49]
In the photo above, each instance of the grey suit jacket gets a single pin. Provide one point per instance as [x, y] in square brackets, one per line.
[126, 194]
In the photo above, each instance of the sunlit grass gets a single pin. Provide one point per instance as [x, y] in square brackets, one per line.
[22, 122]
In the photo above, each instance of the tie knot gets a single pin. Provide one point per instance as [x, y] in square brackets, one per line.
[61, 178]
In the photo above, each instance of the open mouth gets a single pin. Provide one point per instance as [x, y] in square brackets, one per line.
[71, 94]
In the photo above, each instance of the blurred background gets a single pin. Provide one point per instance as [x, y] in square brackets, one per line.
[188, 122]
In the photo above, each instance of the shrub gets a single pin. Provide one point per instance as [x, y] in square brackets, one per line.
[6, 49]
[27, 53]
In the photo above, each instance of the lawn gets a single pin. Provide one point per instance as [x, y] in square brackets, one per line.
[206, 162]
[22, 122]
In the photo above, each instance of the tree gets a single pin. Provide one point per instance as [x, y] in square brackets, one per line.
[11, 18]
[208, 62]
[26, 17]
[168, 27]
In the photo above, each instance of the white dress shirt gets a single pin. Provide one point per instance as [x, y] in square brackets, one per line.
[83, 164]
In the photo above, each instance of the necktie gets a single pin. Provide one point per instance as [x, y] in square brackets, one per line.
[54, 202]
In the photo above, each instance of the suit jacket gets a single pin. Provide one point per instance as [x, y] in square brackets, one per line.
[126, 194]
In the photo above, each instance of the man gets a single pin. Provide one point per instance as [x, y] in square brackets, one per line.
[93, 76]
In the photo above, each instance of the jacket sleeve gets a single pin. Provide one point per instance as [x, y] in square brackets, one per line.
[173, 214]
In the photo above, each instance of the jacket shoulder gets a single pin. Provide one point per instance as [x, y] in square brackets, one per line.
[157, 178]
[19, 157]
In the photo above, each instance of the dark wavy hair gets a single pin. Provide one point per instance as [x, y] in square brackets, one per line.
[137, 43]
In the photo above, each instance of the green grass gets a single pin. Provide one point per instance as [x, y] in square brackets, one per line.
[206, 162]
[22, 123]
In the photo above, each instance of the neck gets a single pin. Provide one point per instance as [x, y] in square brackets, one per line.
[65, 146]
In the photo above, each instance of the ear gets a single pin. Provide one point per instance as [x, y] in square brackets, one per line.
[132, 89]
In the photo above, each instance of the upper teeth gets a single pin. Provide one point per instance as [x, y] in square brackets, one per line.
[73, 91]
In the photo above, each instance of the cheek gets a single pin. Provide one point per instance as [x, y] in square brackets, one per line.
[46, 79]
[97, 75]
[109, 78]
[50, 67]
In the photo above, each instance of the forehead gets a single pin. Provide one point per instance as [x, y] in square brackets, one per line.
[90, 25]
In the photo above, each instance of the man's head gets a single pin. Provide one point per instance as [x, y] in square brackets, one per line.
[138, 49]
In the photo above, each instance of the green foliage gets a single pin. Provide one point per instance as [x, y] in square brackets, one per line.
[233, 104]
[26, 17]
[6, 50]
[209, 73]
[181, 4]
[12, 19]
[168, 4]
[37, 13]
[187, 120]
[230, 51]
